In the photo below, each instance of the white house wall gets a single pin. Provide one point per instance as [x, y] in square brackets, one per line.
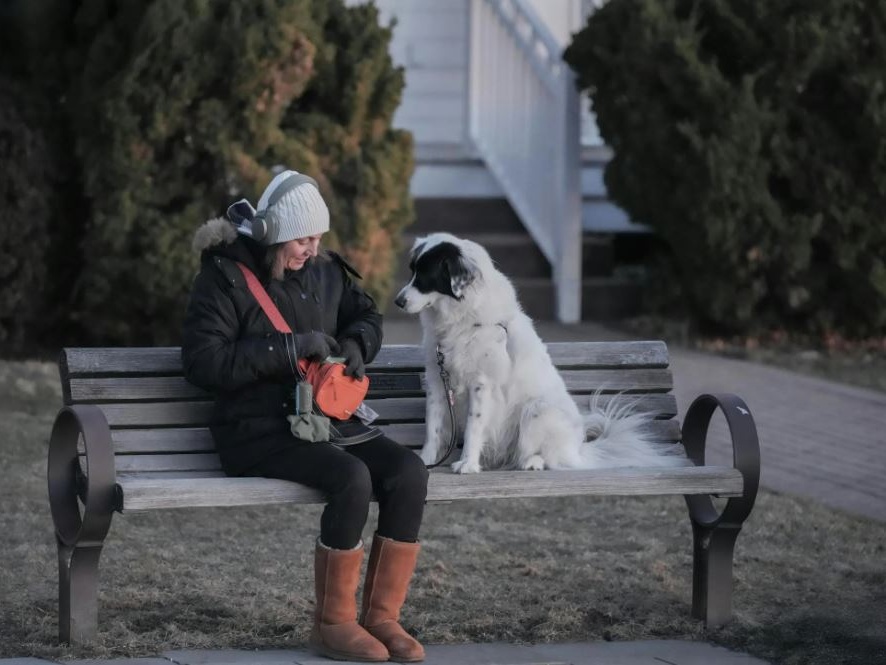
[431, 42]
[563, 17]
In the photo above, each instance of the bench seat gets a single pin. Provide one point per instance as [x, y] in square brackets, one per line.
[156, 491]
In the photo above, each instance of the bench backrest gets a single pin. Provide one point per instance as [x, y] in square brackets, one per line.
[159, 420]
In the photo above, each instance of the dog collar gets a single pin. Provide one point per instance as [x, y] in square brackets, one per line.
[503, 326]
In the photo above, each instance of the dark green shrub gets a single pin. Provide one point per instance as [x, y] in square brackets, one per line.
[749, 134]
[179, 108]
[26, 199]
[39, 178]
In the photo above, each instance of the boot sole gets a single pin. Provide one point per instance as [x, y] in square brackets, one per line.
[326, 652]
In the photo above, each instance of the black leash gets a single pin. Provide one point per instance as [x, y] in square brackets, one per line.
[450, 399]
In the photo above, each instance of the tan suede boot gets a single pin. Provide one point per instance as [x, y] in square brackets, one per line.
[391, 564]
[336, 633]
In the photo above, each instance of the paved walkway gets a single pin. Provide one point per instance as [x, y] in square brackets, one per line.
[664, 652]
[819, 439]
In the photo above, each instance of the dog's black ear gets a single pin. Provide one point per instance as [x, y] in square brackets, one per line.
[462, 273]
[415, 253]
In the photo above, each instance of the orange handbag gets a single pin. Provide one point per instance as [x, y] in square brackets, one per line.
[336, 395]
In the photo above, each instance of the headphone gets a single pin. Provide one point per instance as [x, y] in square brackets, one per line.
[265, 223]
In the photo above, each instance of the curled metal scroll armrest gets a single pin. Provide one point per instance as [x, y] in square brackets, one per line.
[66, 480]
[745, 454]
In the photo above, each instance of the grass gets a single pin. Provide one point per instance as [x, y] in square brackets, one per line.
[859, 363]
[810, 583]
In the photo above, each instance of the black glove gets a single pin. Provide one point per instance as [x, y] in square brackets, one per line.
[315, 345]
[354, 365]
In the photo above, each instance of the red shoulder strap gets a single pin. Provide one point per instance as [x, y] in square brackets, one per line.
[264, 300]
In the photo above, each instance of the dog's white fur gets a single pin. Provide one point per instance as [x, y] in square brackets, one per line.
[510, 401]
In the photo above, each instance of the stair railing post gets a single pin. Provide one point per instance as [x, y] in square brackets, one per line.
[567, 272]
[475, 55]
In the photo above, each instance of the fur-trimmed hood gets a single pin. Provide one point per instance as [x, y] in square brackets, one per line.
[216, 231]
[219, 237]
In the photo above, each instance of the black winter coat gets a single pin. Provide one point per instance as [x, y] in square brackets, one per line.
[231, 349]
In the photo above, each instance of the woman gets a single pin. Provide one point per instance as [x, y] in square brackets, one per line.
[231, 349]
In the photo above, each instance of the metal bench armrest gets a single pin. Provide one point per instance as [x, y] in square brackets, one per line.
[66, 481]
[745, 454]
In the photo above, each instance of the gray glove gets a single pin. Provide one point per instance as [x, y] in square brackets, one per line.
[315, 345]
[354, 365]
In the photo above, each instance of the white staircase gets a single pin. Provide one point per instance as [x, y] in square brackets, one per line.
[524, 122]
[495, 115]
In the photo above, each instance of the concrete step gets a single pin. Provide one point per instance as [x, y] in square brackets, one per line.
[603, 299]
[492, 223]
[517, 255]
[600, 215]
[465, 215]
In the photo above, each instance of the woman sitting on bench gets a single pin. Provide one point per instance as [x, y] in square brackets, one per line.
[231, 348]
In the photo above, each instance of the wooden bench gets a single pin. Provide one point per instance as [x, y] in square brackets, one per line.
[133, 436]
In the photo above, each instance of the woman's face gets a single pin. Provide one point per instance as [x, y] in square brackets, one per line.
[295, 253]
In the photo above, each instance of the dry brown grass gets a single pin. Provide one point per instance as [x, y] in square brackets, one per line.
[859, 363]
[810, 582]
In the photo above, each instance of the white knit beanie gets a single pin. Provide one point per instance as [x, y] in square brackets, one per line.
[293, 208]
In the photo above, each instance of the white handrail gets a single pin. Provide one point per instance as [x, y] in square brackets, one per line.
[524, 122]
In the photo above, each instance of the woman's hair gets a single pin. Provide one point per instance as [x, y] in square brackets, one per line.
[274, 261]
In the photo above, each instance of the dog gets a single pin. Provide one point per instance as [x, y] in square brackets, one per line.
[509, 400]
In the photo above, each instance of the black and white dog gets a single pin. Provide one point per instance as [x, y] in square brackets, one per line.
[510, 401]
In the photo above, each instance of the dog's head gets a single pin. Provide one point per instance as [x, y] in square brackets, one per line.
[443, 267]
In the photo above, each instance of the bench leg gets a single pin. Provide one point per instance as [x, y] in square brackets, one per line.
[714, 531]
[712, 549]
[77, 593]
[80, 533]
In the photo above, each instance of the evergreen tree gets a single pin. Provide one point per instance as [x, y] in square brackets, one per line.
[181, 107]
[749, 135]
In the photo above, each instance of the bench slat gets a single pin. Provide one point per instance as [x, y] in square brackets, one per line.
[412, 409]
[176, 388]
[389, 408]
[617, 380]
[124, 389]
[125, 476]
[198, 439]
[179, 462]
[173, 440]
[147, 493]
[158, 414]
[153, 442]
[662, 404]
[167, 360]
[196, 411]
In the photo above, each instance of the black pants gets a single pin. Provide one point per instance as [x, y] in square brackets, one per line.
[349, 476]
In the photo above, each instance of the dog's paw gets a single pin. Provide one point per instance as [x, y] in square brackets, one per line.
[429, 456]
[534, 463]
[466, 466]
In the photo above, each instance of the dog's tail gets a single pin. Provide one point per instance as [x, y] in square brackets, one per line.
[619, 436]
